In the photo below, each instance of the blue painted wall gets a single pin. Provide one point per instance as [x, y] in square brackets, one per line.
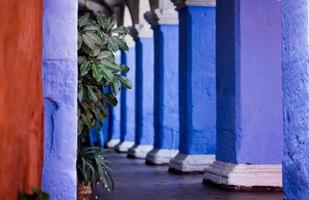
[60, 98]
[127, 126]
[114, 124]
[166, 111]
[249, 82]
[197, 80]
[295, 48]
[144, 91]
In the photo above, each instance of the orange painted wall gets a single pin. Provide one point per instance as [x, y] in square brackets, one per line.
[21, 100]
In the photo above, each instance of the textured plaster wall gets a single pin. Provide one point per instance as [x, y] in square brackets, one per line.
[144, 91]
[249, 82]
[60, 98]
[296, 99]
[166, 111]
[197, 80]
[114, 128]
[128, 98]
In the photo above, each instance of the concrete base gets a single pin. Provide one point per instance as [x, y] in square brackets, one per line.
[244, 175]
[112, 143]
[190, 163]
[123, 147]
[139, 151]
[160, 156]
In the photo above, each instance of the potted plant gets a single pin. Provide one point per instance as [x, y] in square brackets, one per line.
[98, 40]
[92, 169]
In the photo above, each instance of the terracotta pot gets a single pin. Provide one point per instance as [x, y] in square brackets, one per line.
[84, 191]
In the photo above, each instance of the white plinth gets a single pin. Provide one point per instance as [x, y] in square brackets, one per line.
[123, 147]
[244, 175]
[160, 156]
[112, 143]
[191, 163]
[139, 151]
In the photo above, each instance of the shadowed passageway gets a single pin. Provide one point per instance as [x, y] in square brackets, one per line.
[137, 181]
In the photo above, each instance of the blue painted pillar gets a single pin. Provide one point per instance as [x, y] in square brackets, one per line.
[115, 115]
[249, 95]
[197, 88]
[127, 121]
[60, 98]
[295, 51]
[166, 114]
[144, 137]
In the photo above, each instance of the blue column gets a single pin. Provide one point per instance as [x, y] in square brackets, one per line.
[197, 89]
[144, 136]
[127, 121]
[295, 51]
[114, 124]
[166, 114]
[249, 95]
[60, 99]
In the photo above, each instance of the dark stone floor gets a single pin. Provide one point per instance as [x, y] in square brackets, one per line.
[137, 181]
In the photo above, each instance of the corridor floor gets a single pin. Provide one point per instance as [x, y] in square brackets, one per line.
[137, 181]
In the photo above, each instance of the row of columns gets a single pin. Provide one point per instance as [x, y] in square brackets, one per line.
[208, 87]
[195, 102]
[208, 92]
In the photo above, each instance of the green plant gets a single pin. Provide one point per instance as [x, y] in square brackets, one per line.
[93, 168]
[99, 82]
[35, 195]
[98, 40]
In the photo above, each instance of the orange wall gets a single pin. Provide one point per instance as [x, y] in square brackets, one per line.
[21, 101]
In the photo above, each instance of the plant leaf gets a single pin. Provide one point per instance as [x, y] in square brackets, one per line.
[80, 93]
[112, 22]
[121, 30]
[92, 95]
[125, 82]
[96, 72]
[111, 66]
[121, 43]
[111, 99]
[107, 74]
[104, 55]
[88, 41]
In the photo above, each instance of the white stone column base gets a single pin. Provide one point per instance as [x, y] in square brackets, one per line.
[123, 147]
[112, 143]
[160, 156]
[244, 175]
[191, 163]
[139, 151]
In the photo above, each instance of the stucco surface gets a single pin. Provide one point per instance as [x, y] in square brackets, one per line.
[166, 110]
[197, 80]
[249, 82]
[60, 98]
[144, 91]
[296, 99]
